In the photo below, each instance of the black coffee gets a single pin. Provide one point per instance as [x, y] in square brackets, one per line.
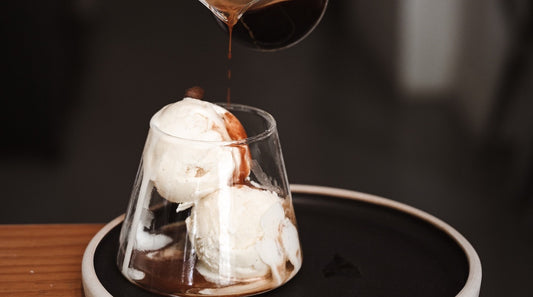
[278, 25]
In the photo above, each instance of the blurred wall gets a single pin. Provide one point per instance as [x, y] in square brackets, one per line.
[483, 48]
[449, 50]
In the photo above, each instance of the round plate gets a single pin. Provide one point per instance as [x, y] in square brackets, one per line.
[354, 244]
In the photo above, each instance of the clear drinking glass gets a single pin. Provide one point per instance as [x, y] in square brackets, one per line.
[194, 227]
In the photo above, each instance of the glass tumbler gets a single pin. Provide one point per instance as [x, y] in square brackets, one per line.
[210, 218]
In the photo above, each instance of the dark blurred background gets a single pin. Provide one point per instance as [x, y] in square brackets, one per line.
[426, 102]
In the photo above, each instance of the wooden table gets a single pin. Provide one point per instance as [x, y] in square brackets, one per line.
[43, 260]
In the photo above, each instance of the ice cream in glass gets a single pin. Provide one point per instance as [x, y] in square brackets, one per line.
[210, 213]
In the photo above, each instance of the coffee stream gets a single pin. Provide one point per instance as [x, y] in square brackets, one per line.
[266, 24]
[231, 10]
[228, 95]
[232, 19]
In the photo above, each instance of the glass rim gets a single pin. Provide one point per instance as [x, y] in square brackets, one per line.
[269, 119]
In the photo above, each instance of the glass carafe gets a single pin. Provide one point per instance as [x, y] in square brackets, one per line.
[268, 24]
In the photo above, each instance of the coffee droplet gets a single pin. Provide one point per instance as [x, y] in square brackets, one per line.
[195, 92]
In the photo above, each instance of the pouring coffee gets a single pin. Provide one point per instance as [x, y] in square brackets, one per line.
[268, 24]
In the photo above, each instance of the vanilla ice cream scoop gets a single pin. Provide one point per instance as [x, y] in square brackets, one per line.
[241, 233]
[183, 155]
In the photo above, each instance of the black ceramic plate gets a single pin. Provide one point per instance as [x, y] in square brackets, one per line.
[352, 246]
